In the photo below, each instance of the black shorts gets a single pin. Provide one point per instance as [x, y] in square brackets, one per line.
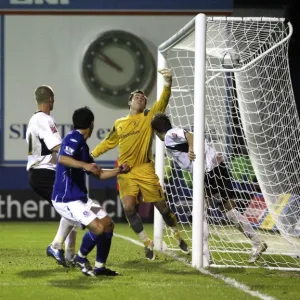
[217, 181]
[42, 181]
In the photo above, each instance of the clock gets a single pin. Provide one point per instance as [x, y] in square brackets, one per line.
[115, 64]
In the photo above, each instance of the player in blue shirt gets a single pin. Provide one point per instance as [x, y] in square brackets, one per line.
[70, 198]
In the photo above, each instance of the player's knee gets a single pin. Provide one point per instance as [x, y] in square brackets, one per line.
[129, 209]
[97, 227]
[110, 226]
[129, 204]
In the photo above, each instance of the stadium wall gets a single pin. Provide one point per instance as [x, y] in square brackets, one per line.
[48, 50]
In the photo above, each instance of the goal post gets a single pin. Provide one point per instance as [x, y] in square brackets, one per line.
[199, 23]
[159, 167]
[199, 126]
[232, 88]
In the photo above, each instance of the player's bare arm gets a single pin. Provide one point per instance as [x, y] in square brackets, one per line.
[190, 139]
[73, 163]
[108, 173]
[56, 148]
[161, 104]
[110, 141]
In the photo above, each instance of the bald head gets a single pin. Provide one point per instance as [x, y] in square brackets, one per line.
[43, 94]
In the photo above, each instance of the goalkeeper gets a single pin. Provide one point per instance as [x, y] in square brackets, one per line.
[179, 145]
[133, 135]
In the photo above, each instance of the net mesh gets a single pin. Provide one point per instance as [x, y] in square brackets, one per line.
[251, 119]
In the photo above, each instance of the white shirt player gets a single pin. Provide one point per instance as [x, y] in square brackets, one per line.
[41, 136]
[177, 147]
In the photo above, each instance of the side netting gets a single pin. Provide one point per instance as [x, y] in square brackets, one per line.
[252, 121]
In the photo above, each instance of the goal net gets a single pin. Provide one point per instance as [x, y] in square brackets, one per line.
[250, 118]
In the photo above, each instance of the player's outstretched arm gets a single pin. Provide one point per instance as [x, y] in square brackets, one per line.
[77, 164]
[161, 104]
[110, 141]
[56, 148]
[108, 173]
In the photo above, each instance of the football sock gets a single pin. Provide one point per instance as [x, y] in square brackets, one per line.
[88, 243]
[243, 224]
[63, 230]
[170, 219]
[144, 238]
[103, 247]
[99, 265]
[135, 222]
[70, 243]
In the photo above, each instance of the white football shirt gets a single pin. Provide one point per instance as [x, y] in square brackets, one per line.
[177, 147]
[41, 136]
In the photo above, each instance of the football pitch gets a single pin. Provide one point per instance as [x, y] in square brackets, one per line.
[26, 272]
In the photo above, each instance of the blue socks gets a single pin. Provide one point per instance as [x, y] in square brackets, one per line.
[89, 241]
[103, 247]
[103, 243]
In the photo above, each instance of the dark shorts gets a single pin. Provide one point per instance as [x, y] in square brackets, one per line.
[217, 181]
[42, 181]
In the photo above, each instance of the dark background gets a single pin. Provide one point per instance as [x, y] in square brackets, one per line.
[289, 11]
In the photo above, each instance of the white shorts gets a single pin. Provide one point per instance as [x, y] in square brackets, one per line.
[80, 213]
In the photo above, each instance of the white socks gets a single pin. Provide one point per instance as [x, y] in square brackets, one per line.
[244, 225]
[70, 244]
[65, 230]
[99, 264]
[143, 236]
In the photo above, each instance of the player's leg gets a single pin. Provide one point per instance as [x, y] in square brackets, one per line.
[152, 191]
[55, 249]
[129, 191]
[100, 235]
[171, 222]
[244, 226]
[226, 191]
[70, 244]
[42, 181]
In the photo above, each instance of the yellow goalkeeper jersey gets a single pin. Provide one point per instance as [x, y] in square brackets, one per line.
[134, 135]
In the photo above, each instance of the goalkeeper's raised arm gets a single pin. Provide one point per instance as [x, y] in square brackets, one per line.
[161, 104]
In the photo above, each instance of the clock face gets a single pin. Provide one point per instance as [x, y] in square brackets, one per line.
[115, 64]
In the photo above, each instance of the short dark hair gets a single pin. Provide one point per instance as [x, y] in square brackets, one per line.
[136, 92]
[161, 123]
[82, 118]
[43, 93]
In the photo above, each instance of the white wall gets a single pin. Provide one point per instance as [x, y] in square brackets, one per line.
[48, 50]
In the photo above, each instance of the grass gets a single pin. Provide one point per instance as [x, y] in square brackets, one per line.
[26, 272]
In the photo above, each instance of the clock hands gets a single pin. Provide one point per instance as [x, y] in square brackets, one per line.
[109, 61]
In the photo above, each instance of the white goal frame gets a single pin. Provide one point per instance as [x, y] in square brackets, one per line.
[198, 25]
